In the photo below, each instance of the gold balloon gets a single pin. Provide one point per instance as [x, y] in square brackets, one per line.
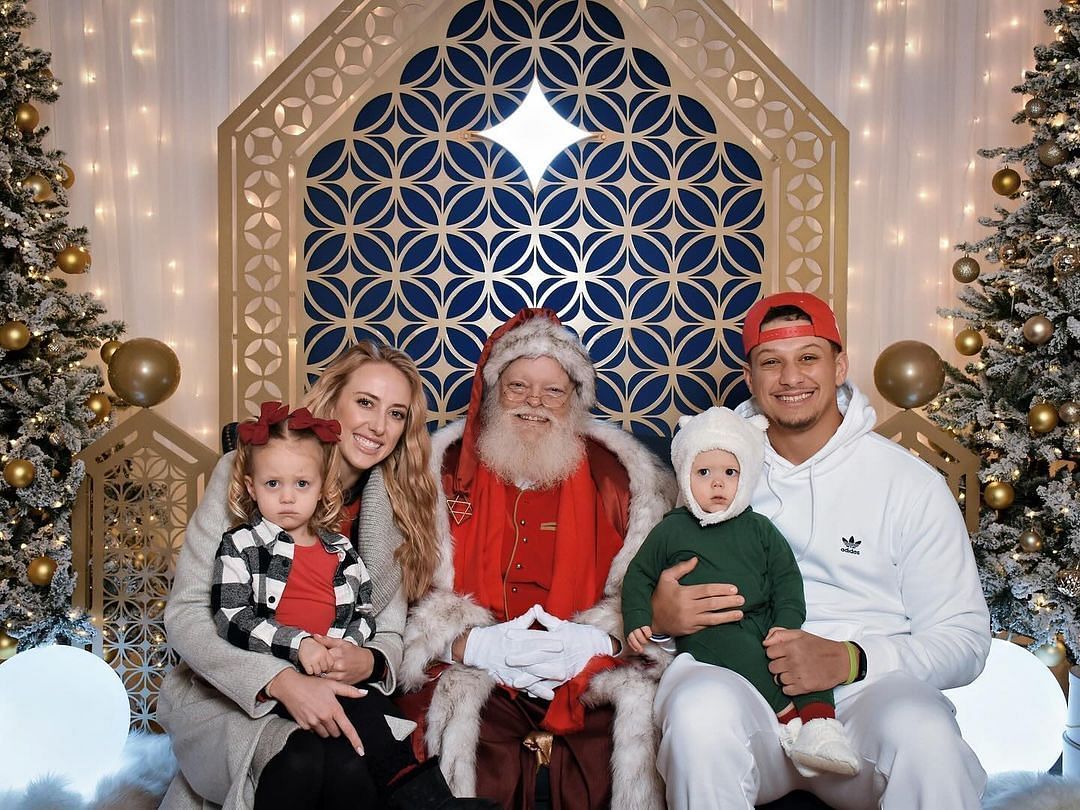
[1050, 154]
[26, 117]
[19, 473]
[108, 349]
[99, 403]
[1038, 329]
[66, 176]
[73, 259]
[1043, 418]
[909, 373]
[14, 336]
[8, 645]
[1069, 412]
[1030, 540]
[40, 571]
[965, 270]
[39, 186]
[144, 372]
[968, 342]
[1051, 654]
[1006, 182]
[998, 495]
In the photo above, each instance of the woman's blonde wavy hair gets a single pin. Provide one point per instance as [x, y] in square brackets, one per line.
[406, 470]
[327, 515]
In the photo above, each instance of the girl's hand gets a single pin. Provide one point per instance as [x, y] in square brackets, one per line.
[315, 659]
[348, 663]
[639, 638]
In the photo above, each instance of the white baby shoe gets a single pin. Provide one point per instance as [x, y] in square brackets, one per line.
[820, 746]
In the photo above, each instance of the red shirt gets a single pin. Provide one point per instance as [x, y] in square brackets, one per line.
[308, 599]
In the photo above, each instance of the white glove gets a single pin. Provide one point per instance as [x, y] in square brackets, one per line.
[487, 648]
[565, 653]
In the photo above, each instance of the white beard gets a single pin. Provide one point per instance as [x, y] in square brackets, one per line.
[518, 454]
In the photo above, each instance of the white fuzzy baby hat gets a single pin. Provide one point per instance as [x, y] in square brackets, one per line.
[719, 429]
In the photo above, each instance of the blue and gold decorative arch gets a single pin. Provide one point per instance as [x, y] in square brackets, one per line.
[359, 201]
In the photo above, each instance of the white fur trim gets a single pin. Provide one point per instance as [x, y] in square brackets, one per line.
[719, 429]
[539, 337]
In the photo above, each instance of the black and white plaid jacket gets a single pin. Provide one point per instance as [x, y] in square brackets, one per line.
[250, 572]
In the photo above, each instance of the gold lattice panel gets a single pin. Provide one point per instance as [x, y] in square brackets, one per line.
[270, 217]
[942, 451]
[143, 481]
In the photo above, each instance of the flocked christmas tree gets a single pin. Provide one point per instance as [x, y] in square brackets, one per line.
[51, 405]
[1016, 404]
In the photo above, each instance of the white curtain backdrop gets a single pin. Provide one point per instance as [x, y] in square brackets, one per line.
[920, 84]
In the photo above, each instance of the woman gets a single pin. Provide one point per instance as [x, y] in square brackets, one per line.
[217, 705]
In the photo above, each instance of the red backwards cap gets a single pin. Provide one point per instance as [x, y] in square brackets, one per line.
[822, 320]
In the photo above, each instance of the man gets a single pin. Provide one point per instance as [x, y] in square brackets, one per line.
[545, 506]
[887, 566]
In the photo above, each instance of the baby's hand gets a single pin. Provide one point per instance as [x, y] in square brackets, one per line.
[314, 657]
[772, 631]
[639, 638]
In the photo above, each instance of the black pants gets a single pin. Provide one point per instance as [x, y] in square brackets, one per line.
[326, 773]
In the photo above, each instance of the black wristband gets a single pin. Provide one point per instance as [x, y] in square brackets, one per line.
[861, 672]
[378, 666]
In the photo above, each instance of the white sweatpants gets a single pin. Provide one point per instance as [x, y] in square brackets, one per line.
[720, 746]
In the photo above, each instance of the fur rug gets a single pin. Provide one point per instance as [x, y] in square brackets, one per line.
[1024, 790]
[149, 766]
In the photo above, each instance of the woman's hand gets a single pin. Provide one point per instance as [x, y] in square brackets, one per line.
[313, 704]
[351, 664]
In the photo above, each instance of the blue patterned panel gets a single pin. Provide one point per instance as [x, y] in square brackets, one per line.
[646, 238]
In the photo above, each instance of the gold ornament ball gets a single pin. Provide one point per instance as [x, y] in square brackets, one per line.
[66, 176]
[39, 186]
[14, 336]
[1038, 329]
[1035, 108]
[968, 342]
[909, 373]
[998, 495]
[73, 260]
[1050, 154]
[1043, 418]
[965, 270]
[1066, 261]
[108, 349]
[1009, 252]
[1006, 182]
[144, 372]
[1059, 120]
[1069, 412]
[19, 473]
[26, 117]
[99, 403]
[1051, 654]
[40, 571]
[1067, 581]
[1030, 541]
[8, 645]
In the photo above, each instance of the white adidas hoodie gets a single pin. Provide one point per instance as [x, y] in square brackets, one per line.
[884, 552]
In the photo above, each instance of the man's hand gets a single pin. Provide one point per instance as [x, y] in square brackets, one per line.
[804, 662]
[348, 663]
[564, 654]
[679, 610]
[314, 657]
[488, 648]
[313, 704]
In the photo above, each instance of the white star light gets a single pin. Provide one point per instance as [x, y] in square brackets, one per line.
[535, 134]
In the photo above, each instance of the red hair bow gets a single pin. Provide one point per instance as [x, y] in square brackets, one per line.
[258, 431]
[328, 431]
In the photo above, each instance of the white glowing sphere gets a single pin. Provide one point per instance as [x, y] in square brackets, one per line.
[1013, 714]
[63, 711]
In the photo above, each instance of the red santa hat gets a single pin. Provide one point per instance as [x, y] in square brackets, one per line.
[532, 332]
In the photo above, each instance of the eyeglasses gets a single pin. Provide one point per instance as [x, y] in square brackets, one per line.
[551, 396]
